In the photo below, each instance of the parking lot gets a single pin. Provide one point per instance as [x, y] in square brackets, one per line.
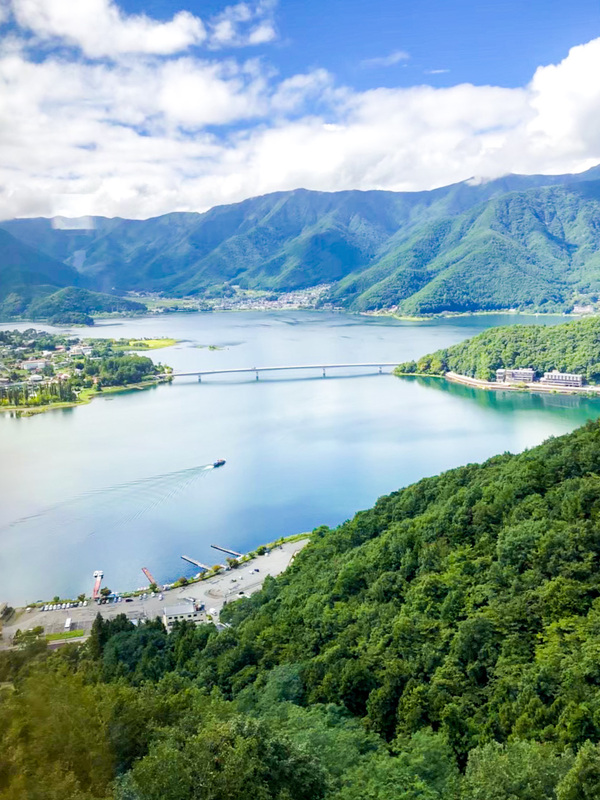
[213, 593]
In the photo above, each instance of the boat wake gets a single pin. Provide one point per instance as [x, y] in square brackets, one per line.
[113, 506]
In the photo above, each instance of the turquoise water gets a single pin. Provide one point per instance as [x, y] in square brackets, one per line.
[120, 484]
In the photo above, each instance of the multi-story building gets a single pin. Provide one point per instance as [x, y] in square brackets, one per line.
[183, 611]
[34, 363]
[520, 374]
[556, 378]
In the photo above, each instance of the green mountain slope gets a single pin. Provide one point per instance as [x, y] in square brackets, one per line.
[458, 620]
[467, 602]
[30, 281]
[26, 273]
[527, 241]
[534, 248]
[74, 300]
[572, 347]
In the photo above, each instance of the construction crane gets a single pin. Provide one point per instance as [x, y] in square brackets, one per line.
[148, 574]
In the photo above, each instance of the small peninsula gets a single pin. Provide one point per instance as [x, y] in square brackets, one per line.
[528, 356]
[39, 370]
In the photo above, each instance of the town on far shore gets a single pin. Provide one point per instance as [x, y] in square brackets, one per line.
[39, 369]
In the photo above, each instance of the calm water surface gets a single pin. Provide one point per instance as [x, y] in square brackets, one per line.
[118, 485]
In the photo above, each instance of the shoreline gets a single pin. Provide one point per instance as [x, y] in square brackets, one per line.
[141, 597]
[223, 588]
[534, 388]
[89, 395]
[337, 309]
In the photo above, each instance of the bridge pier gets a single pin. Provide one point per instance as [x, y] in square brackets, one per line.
[380, 370]
[257, 375]
[324, 373]
[199, 378]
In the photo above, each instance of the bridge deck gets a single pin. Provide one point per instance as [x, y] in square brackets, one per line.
[238, 370]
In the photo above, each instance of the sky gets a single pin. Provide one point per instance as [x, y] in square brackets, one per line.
[136, 109]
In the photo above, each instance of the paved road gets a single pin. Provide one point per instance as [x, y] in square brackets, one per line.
[213, 592]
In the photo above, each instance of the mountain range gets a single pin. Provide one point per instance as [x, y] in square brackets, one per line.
[519, 241]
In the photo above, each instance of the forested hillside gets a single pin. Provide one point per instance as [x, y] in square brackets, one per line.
[570, 347]
[530, 249]
[443, 644]
[35, 284]
[26, 274]
[519, 241]
[72, 300]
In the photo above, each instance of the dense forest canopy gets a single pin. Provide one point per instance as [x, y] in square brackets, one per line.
[572, 347]
[443, 644]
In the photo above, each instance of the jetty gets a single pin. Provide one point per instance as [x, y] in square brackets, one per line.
[227, 550]
[198, 564]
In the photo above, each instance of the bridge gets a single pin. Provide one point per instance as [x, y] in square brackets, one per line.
[380, 365]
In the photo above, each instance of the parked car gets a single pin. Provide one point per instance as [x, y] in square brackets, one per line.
[129, 599]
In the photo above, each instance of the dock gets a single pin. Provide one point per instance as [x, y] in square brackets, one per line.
[226, 550]
[198, 564]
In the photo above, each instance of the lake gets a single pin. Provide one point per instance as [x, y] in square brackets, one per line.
[121, 484]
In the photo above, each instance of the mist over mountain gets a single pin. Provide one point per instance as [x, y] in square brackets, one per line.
[518, 241]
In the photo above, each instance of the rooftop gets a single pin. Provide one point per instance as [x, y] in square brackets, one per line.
[182, 608]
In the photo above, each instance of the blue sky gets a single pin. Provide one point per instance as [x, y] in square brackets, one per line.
[131, 108]
[500, 43]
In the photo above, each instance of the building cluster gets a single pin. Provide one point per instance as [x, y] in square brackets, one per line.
[527, 375]
[49, 366]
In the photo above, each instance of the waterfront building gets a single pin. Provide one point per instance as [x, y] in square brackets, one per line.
[556, 378]
[34, 363]
[183, 611]
[521, 374]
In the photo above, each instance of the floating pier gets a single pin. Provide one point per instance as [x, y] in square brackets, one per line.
[198, 564]
[226, 550]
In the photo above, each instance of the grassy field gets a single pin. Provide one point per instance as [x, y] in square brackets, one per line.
[152, 344]
[54, 637]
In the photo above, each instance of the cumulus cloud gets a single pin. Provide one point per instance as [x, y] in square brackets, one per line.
[386, 61]
[140, 135]
[244, 24]
[100, 28]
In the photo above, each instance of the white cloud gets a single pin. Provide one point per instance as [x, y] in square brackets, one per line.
[244, 24]
[263, 33]
[435, 71]
[142, 135]
[386, 61]
[99, 27]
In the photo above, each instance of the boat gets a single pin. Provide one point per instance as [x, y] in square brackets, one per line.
[219, 462]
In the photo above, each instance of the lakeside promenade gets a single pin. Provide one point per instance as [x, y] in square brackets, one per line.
[535, 386]
[214, 592]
